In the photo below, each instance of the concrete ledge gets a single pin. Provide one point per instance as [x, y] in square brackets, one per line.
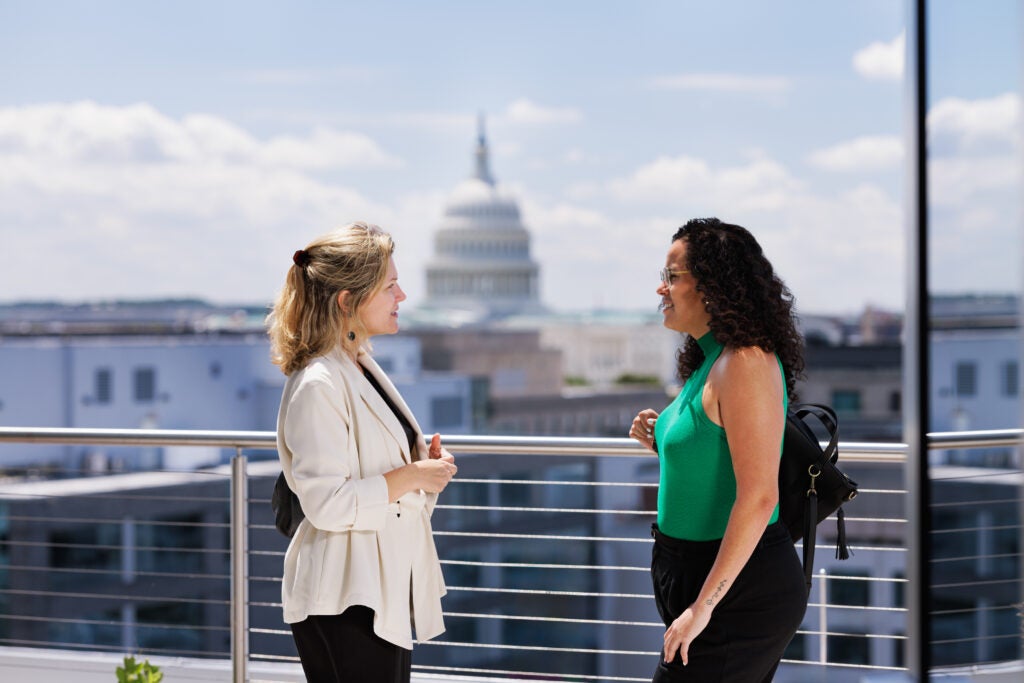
[41, 665]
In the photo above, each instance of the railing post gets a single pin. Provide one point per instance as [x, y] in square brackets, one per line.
[822, 617]
[239, 568]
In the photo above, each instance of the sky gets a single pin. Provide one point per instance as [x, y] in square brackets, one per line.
[187, 149]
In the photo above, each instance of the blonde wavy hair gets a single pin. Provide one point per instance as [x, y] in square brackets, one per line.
[307, 319]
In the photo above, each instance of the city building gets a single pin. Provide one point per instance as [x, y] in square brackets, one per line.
[174, 367]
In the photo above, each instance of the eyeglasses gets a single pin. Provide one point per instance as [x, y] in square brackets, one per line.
[668, 276]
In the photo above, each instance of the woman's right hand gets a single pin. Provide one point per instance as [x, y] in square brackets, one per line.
[433, 474]
[642, 428]
[430, 474]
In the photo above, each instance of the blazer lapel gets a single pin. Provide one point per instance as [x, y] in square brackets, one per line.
[381, 409]
[385, 383]
[362, 390]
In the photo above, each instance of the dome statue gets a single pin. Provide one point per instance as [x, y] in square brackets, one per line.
[481, 269]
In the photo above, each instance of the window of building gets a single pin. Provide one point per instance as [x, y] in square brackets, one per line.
[467, 494]
[846, 401]
[953, 617]
[103, 385]
[966, 378]
[166, 626]
[895, 402]
[899, 590]
[100, 628]
[899, 650]
[95, 547]
[464, 569]
[528, 564]
[5, 562]
[849, 649]
[853, 591]
[446, 412]
[170, 544]
[569, 496]
[1010, 378]
[515, 494]
[145, 384]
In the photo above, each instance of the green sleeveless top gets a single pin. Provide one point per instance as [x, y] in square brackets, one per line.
[697, 488]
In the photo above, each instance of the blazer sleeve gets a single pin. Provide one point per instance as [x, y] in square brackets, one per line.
[316, 432]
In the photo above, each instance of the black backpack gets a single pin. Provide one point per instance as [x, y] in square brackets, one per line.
[811, 485]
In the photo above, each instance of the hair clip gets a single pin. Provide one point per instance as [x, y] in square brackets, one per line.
[301, 258]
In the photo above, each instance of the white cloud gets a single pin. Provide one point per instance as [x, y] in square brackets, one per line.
[688, 182]
[124, 201]
[326, 148]
[830, 248]
[959, 181]
[974, 177]
[866, 153]
[603, 247]
[591, 258]
[91, 133]
[722, 82]
[882, 61]
[970, 124]
[835, 249]
[527, 112]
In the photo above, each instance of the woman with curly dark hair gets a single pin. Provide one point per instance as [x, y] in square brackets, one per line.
[727, 580]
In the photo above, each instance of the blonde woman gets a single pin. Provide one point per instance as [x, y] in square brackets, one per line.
[357, 460]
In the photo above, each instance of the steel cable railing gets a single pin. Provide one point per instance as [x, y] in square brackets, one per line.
[539, 562]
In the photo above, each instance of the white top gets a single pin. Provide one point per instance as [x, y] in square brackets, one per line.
[336, 437]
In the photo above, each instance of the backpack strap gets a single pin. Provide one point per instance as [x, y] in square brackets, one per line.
[828, 418]
[810, 527]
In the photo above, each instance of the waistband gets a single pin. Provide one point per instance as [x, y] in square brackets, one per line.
[773, 531]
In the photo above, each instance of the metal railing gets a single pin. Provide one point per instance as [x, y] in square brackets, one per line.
[523, 520]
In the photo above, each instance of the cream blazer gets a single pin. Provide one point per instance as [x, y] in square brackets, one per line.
[336, 437]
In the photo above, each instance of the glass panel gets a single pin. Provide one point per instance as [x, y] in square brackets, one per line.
[975, 275]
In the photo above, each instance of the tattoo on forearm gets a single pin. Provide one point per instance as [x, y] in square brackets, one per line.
[710, 602]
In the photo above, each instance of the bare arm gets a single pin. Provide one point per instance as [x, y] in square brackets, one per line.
[746, 398]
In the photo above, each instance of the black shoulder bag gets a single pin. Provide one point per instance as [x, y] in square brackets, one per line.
[811, 485]
[288, 512]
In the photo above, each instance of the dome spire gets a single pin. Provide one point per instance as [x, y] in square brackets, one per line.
[483, 169]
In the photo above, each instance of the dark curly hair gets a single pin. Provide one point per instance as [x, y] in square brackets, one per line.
[749, 305]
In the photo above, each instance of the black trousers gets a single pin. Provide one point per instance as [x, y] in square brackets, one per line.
[752, 625]
[342, 648]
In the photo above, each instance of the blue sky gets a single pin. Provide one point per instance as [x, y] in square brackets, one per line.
[186, 149]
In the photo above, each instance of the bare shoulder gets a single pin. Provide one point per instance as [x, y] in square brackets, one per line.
[749, 378]
[746, 363]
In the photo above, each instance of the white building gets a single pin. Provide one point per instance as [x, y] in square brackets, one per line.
[178, 381]
[976, 347]
[602, 348]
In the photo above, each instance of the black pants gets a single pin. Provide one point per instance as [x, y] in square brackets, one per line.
[752, 625]
[342, 648]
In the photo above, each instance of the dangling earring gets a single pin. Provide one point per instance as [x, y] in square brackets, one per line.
[351, 335]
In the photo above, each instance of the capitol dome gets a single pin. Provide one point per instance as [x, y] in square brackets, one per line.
[481, 269]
